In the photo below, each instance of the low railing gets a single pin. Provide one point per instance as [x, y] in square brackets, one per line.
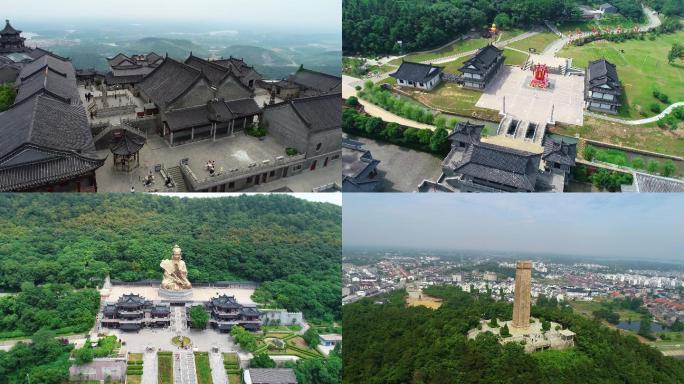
[226, 176]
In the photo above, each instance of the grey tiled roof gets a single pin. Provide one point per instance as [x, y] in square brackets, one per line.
[602, 72]
[243, 107]
[272, 376]
[484, 58]
[317, 81]
[318, 113]
[651, 183]
[214, 72]
[45, 122]
[49, 83]
[466, 132]
[185, 118]
[55, 64]
[501, 165]
[168, 81]
[32, 166]
[129, 144]
[562, 153]
[9, 30]
[416, 72]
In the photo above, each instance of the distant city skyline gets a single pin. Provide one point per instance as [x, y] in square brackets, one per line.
[627, 226]
[308, 14]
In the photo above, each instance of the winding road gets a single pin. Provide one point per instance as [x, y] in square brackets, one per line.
[651, 119]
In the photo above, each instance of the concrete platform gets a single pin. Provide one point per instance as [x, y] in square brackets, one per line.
[526, 103]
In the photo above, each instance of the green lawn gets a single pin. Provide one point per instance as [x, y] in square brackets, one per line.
[515, 57]
[642, 67]
[612, 21]
[451, 98]
[165, 368]
[457, 47]
[203, 368]
[234, 379]
[587, 307]
[538, 42]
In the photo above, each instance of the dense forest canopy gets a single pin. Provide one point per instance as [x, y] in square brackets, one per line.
[375, 26]
[291, 245]
[391, 344]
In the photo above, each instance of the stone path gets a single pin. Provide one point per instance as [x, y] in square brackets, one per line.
[651, 119]
[178, 322]
[184, 368]
[218, 372]
[149, 375]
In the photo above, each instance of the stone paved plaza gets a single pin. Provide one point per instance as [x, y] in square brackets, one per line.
[526, 103]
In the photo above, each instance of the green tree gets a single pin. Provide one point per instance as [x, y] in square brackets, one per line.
[198, 317]
[311, 337]
[439, 140]
[262, 360]
[505, 332]
[493, 323]
[676, 52]
[244, 338]
[652, 166]
[668, 168]
[7, 96]
[352, 101]
[502, 21]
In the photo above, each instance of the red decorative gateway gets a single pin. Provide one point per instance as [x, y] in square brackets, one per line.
[541, 76]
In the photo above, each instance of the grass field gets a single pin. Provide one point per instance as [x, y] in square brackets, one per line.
[458, 47]
[642, 67]
[451, 98]
[538, 42]
[647, 137]
[134, 379]
[515, 57]
[611, 21]
[425, 301]
[587, 307]
[202, 367]
[234, 379]
[165, 368]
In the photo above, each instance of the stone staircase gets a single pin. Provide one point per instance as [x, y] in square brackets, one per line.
[177, 177]
[522, 129]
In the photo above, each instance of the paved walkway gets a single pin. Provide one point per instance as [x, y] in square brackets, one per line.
[184, 368]
[149, 375]
[218, 372]
[651, 119]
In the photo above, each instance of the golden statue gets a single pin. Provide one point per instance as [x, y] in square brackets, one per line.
[175, 272]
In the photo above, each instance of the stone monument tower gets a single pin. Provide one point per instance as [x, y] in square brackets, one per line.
[523, 285]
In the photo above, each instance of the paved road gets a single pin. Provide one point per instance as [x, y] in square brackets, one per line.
[651, 119]
[348, 89]
[218, 372]
[149, 375]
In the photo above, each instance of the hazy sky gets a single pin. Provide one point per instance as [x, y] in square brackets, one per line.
[630, 225]
[333, 198]
[321, 13]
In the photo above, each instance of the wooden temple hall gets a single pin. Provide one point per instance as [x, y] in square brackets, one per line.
[216, 119]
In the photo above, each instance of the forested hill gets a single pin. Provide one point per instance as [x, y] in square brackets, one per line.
[374, 26]
[79, 238]
[392, 344]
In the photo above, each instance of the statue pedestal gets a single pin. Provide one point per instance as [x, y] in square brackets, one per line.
[174, 295]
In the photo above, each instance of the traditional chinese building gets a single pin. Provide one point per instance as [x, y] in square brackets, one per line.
[10, 39]
[602, 87]
[133, 312]
[359, 172]
[225, 312]
[417, 75]
[479, 70]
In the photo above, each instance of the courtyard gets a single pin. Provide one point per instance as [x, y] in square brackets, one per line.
[402, 169]
[237, 151]
[565, 97]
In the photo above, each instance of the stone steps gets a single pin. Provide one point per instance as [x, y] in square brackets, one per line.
[177, 177]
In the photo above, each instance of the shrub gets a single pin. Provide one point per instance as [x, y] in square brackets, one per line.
[291, 151]
[589, 153]
[652, 166]
[352, 101]
[638, 163]
[668, 168]
[654, 107]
